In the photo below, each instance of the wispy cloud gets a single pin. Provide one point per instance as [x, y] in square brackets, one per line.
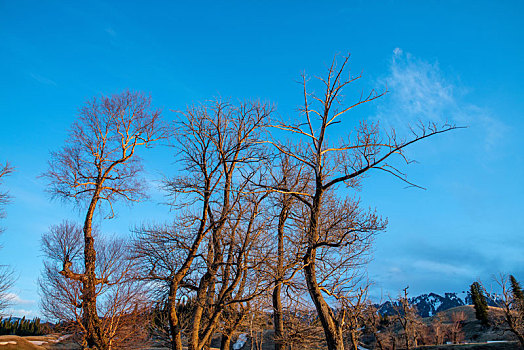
[442, 268]
[23, 313]
[41, 79]
[16, 299]
[421, 91]
[20, 307]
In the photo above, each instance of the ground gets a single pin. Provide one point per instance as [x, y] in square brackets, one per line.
[473, 331]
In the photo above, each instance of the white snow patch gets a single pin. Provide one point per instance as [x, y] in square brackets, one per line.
[239, 344]
[7, 342]
[64, 337]
[38, 342]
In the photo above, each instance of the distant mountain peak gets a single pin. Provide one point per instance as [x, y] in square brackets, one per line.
[427, 304]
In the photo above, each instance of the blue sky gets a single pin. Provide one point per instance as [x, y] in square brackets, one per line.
[459, 61]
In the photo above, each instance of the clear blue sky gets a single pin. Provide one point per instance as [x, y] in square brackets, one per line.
[460, 61]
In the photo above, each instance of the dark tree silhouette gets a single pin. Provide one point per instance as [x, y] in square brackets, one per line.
[479, 302]
[516, 289]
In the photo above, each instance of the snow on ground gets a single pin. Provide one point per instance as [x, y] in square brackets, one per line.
[37, 342]
[239, 344]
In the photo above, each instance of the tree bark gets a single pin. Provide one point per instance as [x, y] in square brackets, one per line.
[278, 317]
[354, 340]
[174, 323]
[95, 337]
[225, 343]
[332, 330]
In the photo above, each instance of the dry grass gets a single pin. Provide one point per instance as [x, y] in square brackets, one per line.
[14, 342]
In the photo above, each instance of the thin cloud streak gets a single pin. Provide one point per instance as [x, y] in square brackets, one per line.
[15, 298]
[420, 91]
[42, 80]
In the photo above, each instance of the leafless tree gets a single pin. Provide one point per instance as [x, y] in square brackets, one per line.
[353, 307]
[5, 170]
[285, 263]
[121, 302]
[99, 165]
[454, 329]
[6, 274]
[408, 319]
[302, 329]
[438, 329]
[234, 265]
[207, 250]
[376, 324]
[513, 308]
[332, 165]
[232, 318]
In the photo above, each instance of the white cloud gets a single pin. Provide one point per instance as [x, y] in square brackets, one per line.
[443, 269]
[20, 307]
[397, 51]
[22, 313]
[16, 299]
[420, 91]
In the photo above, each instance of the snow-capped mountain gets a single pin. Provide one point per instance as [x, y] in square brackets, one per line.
[427, 304]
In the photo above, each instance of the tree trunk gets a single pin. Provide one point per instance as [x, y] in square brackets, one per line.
[225, 343]
[95, 337]
[354, 340]
[521, 339]
[379, 342]
[174, 323]
[332, 330]
[197, 314]
[278, 318]
[513, 327]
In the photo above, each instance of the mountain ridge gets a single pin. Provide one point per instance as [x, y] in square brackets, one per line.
[428, 305]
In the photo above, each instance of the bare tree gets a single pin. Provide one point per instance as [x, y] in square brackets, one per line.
[205, 253]
[286, 262]
[99, 165]
[5, 170]
[379, 327]
[353, 307]
[408, 319]
[6, 274]
[233, 265]
[454, 329]
[121, 301]
[513, 307]
[334, 164]
[438, 329]
[231, 320]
